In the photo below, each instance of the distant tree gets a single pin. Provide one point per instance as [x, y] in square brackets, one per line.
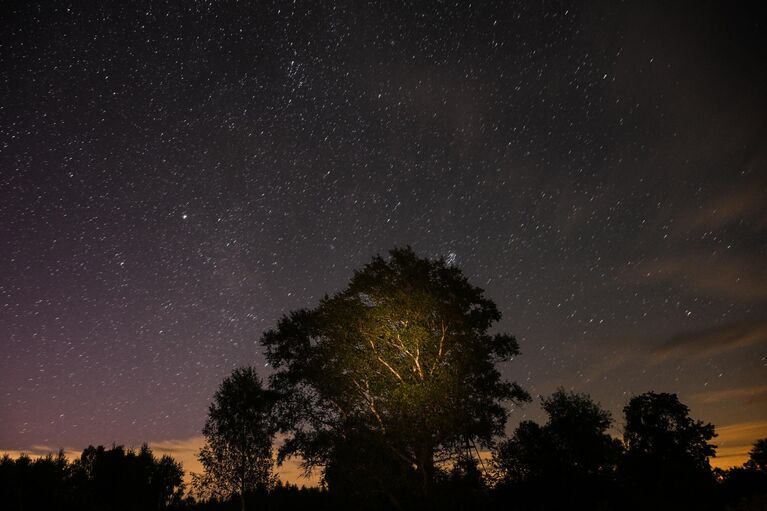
[757, 456]
[16, 483]
[524, 456]
[658, 426]
[289, 497]
[167, 482]
[237, 455]
[464, 486]
[570, 458]
[120, 479]
[580, 427]
[745, 488]
[666, 462]
[466, 474]
[8, 480]
[100, 479]
[49, 477]
[402, 353]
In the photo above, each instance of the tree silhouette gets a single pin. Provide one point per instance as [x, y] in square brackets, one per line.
[757, 456]
[402, 353]
[572, 456]
[745, 488]
[100, 479]
[33, 484]
[167, 482]
[120, 479]
[666, 463]
[465, 485]
[237, 455]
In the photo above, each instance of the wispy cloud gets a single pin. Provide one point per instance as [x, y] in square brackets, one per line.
[750, 395]
[714, 340]
[714, 248]
[742, 205]
[734, 442]
[721, 275]
[184, 450]
[743, 433]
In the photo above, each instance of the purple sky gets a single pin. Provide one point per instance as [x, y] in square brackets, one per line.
[173, 179]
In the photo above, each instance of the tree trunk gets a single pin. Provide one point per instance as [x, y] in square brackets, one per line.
[426, 467]
[394, 501]
[243, 468]
[242, 485]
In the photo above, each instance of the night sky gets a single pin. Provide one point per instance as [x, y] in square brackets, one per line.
[174, 178]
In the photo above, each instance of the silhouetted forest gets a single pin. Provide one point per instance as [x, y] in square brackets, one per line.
[568, 463]
[115, 478]
[391, 389]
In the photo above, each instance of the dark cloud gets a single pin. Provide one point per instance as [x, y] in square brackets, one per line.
[733, 277]
[749, 395]
[746, 206]
[715, 340]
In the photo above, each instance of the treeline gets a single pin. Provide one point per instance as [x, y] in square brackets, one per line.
[661, 462]
[569, 462]
[116, 479]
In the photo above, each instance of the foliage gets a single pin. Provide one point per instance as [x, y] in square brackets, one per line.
[108, 472]
[757, 456]
[101, 479]
[572, 455]
[745, 488]
[659, 426]
[402, 353]
[237, 455]
[35, 484]
[541, 465]
[667, 453]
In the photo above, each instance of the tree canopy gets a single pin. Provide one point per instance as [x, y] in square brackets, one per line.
[757, 456]
[114, 479]
[572, 455]
[659, 426]
[667, 453]
[402, 353]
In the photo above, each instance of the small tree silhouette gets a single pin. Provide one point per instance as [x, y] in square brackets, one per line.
[237, 455]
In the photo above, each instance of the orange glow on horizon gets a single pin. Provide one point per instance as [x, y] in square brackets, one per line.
[733, 442]
[183, 451]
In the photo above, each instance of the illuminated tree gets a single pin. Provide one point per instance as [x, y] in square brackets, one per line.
[237, 455]
[402, 353]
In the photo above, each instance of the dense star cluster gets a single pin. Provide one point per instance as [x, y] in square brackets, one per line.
[175, 177]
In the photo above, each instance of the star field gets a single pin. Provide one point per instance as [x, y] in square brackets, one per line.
[176, 176]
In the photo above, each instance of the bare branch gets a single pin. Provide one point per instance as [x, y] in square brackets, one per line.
[384, 362]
